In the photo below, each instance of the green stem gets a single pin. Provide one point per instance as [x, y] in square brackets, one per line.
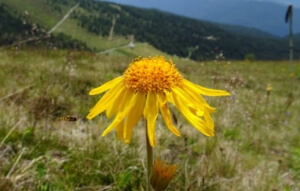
[149, 158]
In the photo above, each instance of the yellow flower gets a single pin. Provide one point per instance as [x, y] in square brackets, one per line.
[146, 87]
[162, 174]
[269, 88]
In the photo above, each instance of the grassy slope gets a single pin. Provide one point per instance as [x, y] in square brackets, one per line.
[256, 145]
[38, 11]
[41, 13]
[141, 49]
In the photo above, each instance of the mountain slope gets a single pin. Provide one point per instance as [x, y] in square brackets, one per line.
[104, 26]
[264, 15]
[246, 31]
[47, 13]
[183, 36]
[15, 30]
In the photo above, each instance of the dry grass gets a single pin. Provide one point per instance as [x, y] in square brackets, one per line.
[256, 146]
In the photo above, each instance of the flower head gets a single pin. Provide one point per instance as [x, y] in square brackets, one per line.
[269, 87]
[162, 174]
[145, 88]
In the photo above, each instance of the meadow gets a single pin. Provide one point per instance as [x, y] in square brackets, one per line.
[256, 146]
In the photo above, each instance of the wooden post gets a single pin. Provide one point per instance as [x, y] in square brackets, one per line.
[289, 18]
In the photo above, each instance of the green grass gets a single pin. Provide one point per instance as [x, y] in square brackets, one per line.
[39, 11]
[93, 41]
[141, 49]
[256, 146]
[44, 15]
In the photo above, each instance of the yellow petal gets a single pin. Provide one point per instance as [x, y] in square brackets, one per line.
[208, 120]
[116, 122]
[196, 121]
[120, 130]
[196, 97]
[205, 91]
[121, 114]
[108, 95]
[150, 114]
[193, 104]
[196, 110]
[183, 96]
[165, 112]
[106, 101]
[134, 115]
[169, 96]
[106, 86]
[119, 101]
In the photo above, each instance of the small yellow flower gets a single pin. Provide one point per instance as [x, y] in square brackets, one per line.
[269, 88]
[146, 87]
[162, 174]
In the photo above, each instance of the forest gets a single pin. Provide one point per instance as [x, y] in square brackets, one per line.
[173, 34]
[181, 36]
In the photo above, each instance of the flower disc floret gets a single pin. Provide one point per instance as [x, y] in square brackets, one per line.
[152, 75]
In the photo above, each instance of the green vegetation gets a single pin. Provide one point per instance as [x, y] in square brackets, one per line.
[40, 17]
[15, 32]
[256, 146]
[99, 26]
[177, 35]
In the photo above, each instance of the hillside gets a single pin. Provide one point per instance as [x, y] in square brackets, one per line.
[265, 15]
[101, 26]
[46, 14]
[245, 31]
[15, 31]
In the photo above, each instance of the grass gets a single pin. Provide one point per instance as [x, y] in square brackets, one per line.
[44, 15]
[141, 49]
[256, 146]
[95, 42]
[39, 12]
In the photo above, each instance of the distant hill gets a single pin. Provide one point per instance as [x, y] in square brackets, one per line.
[245, 31]
[102, 25]
[260, 14]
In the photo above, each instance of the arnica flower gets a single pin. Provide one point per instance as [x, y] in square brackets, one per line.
[145, 88]
[292, 74]
[161, 175]
[269, 88]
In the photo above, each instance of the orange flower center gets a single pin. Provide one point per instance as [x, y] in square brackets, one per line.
[152, 75]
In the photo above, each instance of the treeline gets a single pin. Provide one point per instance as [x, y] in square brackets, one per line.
[178, 35]
[15, 30]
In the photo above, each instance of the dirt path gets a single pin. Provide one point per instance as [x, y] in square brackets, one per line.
[113, 49]
[63, 19]
[111, 32]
